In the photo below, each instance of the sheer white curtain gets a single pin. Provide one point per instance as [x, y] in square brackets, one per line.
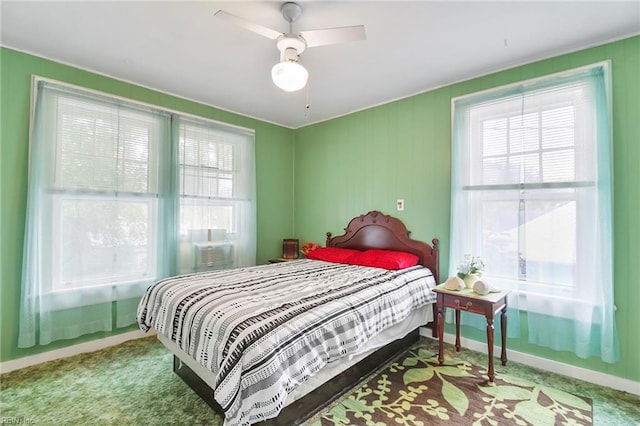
[92, 212]
[532, 195]
[115, 188]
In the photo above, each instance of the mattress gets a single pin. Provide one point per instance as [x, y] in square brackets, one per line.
[417, 318]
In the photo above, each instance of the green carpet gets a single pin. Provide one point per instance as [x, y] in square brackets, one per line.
[133, 383]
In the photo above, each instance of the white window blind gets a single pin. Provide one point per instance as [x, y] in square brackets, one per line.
[206, 160]
[104, 147]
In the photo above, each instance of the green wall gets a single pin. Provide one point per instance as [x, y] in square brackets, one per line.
[274, 174]
[320, 176]
[367, 160]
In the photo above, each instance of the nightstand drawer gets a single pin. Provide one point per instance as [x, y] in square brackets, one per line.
[477, 307]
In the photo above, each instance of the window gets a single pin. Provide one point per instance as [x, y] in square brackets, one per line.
[114, 188]
[103, 191]
[531, 195]
[214, 188]
[528, 171]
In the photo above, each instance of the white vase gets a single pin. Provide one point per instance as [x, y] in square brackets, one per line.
[470, 279]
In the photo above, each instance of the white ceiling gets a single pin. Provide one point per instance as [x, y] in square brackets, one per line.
[180, 47]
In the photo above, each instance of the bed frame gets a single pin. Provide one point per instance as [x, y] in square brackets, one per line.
[373, 230]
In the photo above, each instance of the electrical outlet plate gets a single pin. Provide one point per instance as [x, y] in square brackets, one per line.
[400, 205]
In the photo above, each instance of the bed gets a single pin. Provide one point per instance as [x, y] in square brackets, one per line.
[255, 353]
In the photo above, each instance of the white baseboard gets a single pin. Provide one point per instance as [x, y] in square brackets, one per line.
[92, 346]
[580, 373]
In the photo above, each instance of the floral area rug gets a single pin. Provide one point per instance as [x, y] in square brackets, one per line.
[416, 390]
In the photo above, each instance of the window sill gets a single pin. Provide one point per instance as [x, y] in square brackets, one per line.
[84, 296]
[561, 304]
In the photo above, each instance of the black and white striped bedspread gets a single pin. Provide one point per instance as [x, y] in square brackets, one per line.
[262, 330]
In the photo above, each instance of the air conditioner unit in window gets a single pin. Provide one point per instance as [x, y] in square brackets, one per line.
[213, 255]
[211, 249]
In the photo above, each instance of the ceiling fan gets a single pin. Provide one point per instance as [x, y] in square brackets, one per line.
[289, 74]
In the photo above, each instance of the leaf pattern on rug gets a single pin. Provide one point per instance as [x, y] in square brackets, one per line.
[415, 390]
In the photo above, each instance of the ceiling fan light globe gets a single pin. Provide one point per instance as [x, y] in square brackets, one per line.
[289, 76]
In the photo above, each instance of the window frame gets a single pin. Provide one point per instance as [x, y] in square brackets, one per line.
[59, 197]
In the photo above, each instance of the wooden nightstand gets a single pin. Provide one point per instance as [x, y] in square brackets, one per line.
[469, 301]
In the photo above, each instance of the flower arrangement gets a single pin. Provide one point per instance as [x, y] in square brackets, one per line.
[471, 265]
[309, 247]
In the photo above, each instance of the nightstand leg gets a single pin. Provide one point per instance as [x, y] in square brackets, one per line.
[490, 347]
[457, 330]
[503, 335]
[440, 330]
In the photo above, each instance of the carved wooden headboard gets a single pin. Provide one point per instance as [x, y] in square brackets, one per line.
[376, 230]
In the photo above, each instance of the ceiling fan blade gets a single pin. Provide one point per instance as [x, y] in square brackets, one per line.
[251, 26]
[333, 35]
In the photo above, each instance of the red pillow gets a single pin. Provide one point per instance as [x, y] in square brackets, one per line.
[333, 254]
[387, 259]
